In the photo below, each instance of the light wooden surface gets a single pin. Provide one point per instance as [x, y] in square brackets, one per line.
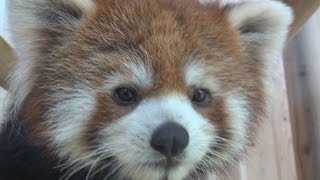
[303, 9]
[303, 78]
[6, 61]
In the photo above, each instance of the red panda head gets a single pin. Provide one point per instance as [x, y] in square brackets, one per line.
[144, 89]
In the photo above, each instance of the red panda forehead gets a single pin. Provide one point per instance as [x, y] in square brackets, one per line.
[165, 34]
[173, 25]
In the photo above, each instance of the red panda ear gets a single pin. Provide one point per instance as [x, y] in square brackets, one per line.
[263, 26]
[37, 26]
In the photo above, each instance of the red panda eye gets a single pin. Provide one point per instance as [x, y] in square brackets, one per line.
[201, 97]
[125, 96]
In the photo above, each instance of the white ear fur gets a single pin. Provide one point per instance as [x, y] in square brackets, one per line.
[264, 23]
[28, 19]
[263, 29]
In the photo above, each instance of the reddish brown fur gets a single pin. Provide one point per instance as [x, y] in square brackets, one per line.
[165, 33]
[170, 32]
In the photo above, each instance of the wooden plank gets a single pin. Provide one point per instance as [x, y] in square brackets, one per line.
[6, 53]
[298, 111]
[282, 129]
[262, 163]
[6, 61]
[303, 9]
[303, 77]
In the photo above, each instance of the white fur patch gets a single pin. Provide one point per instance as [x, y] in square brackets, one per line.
[67, 120]
[135, 131]
[194, 72]
[137, 74]
[196, 75]
[270, 21]
[23, 23]
[238, 112]
[271, 18]
[85, 5]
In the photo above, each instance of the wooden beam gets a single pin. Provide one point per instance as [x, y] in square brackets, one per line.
[6, 61]
[303, 9]
[302, 64]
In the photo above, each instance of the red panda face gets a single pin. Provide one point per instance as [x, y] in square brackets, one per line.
[146, 89]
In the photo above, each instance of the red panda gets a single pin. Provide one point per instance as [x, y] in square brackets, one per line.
[136, 89]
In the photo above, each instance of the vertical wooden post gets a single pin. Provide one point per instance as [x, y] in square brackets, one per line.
[303, 9]
[302, 64]
[6, 61]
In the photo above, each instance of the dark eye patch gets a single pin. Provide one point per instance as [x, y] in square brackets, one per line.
[125, 96]
[201, 97]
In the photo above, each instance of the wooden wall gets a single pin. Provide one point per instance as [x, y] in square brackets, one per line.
[6, 61]
[302, 64]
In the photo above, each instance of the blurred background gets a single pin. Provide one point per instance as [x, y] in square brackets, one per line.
[289, 144]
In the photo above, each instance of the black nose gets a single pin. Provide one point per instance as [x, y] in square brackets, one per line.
[170, 139]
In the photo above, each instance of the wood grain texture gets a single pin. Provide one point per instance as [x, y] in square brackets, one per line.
[303, 77]
[274, 156]
[282, 128]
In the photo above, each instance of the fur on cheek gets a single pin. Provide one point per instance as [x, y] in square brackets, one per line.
[68, 119]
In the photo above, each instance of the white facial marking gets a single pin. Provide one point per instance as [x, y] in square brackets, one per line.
[135, 130]
[137, 73]
[193, 72]
[195, 75]
[84, 5]
[67, 119]
[237, 109]
[238, 112]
